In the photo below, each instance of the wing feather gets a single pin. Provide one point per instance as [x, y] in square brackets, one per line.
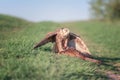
[76, 42]
[50, 37]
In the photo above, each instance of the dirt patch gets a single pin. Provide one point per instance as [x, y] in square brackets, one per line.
[112, 76]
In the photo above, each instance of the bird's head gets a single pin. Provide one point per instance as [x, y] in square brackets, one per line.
[65, 31]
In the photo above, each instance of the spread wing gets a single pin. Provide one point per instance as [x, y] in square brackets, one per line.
[76, 42]
[50, 37]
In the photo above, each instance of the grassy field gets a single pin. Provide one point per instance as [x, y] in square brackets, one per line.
[18, 61]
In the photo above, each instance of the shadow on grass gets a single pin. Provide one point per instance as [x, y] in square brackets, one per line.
[86, 76]
[47, 49]
[109, 59]
[109, 62]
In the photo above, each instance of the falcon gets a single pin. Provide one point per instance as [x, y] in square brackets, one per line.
[68, 43]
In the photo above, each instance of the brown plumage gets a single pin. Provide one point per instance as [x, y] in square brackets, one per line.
[65, 39]
[68, 43]
[74, 53]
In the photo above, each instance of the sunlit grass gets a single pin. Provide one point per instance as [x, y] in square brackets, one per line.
[18, 60]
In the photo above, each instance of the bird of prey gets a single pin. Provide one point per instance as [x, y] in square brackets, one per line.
[67, 43]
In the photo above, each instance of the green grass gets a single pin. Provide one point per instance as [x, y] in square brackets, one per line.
[18, 61]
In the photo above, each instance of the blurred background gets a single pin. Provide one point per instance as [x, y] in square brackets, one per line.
[62, 10]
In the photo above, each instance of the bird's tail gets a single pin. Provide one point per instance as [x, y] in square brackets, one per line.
[74, 53]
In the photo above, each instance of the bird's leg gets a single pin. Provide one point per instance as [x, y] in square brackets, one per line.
[65, 43]
[59, 43]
